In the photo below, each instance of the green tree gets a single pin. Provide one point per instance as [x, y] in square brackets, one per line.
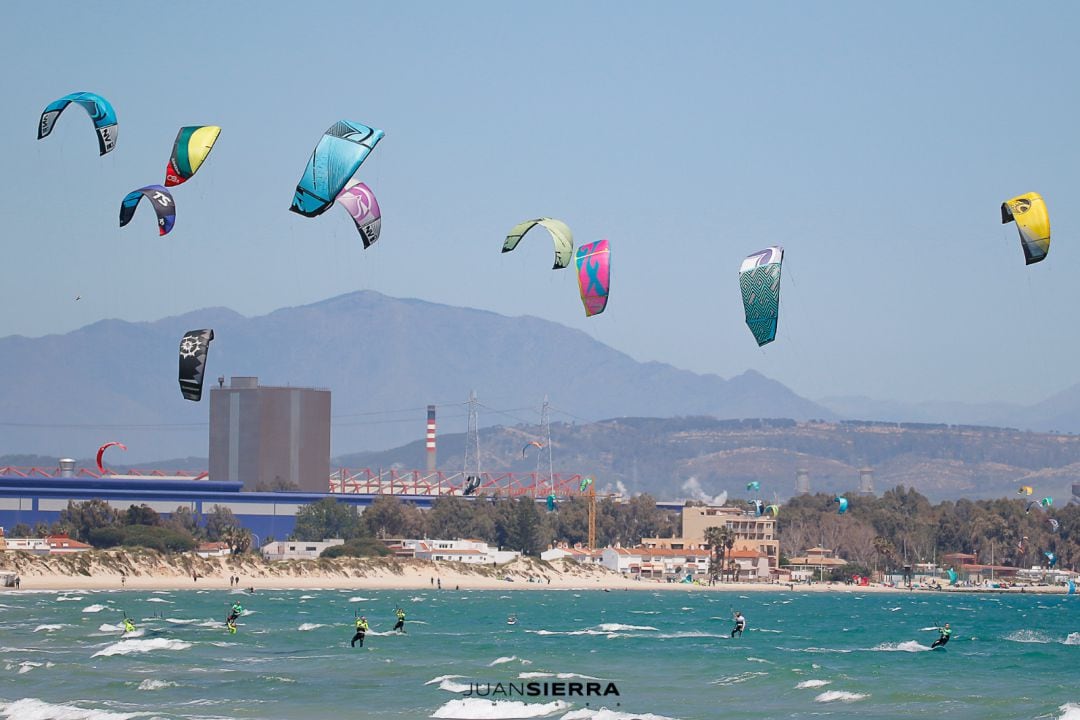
[184, 518]
[219, 521]
[22, 530]
[141, 515]
[78, 519]
[388, 517]
[327, 519]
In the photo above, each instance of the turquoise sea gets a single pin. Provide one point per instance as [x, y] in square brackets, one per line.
[667, 654]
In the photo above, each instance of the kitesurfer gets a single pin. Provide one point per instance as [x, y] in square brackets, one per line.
[400, 625]
[361, 630]
[236, 611]
[945, 634]
[740, 624]
[129, 626]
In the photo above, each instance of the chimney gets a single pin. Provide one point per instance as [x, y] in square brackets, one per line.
[431, 438]
[67, 467]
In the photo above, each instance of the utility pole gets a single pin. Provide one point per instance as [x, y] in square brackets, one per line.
[592, 516]
[545, 424]
[472, 440]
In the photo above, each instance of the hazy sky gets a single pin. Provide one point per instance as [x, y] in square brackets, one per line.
[874, 141]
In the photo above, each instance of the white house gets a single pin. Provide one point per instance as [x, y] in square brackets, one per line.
[577, 554]
[467, 551]
[212, 549]
[297, 549]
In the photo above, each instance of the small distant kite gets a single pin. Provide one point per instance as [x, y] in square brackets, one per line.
[101, 451]
[159, 197]
[1033, 222]
[99, 109]
[753, 485]
[843, 503]
[560, 235]
[535, 443]
[192, 146]
[585, 483]
[194, 347]
[594, 276]
[1025, 490]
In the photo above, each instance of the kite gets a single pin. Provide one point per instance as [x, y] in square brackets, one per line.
[585, 483]
[754, 485]
[1047, 501]
[774, 509]
[594, 276]
[952, 576]
[1025, 490]
[471, 484]
[1054, 524]
[193, 350]
[759, 507]
[759, 280]
[1033, 222]
[843, 503]
[189, 152]
[1051, 558]
[560, 235]
[360, 203]
[159, 197]
[535, 443]
[101, 451]
[551, 501]
[99, 109]
[335, 160]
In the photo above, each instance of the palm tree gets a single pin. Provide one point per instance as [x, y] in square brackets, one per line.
[720, 540]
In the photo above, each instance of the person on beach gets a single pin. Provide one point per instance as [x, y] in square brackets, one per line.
[400, 625]
[361, 631]
[945, 635]
[740, 624]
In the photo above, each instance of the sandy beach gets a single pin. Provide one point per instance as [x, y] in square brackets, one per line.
[148, 570]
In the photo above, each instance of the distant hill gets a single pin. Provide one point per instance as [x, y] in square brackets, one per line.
[116, 380]
[699, 458]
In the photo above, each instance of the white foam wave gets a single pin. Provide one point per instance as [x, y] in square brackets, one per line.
[439, 679]
[906, 646]
[68, 598]
[645, 612]
[760, 660]
[277, 678]
[1069, 711]
[93, 608]
[839, 696]
[813, 684]
[815, 650]
[1029, 636]
[736, 679]
[34, 709]
[359, 599]
[48, 628]
[477, 709]
[312, 626]
[159, 600]
[28, 665]
[454, 686]
[560, 676]
[131, 647]
[505, 659]
[109, 627]
[605, 714]
[180, 621]
[308, 597]
[616, 627]
[150, 684]
[1072, 639]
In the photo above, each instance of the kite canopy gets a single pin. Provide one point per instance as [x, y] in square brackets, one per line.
[953, 577]
[360, 203]
[159, 197]
[471, 485]
[189, 152]
[753, 485]
[535, 443]
[1033, 222]
[585, 483]
[1025, 490]
[551, 501]
[759, 280]
[1051, 558]
[101, 451]
[774, 509]
[99, 109]
[334, 161]
[843, 503]
[194, 348]
[560, 235]
[594, 276]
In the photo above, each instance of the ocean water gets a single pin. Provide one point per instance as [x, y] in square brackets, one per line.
[666, 654]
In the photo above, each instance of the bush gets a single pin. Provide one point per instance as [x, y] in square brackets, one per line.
[160, 538]
[361, 547]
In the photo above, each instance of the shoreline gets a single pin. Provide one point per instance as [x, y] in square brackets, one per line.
[139, 570]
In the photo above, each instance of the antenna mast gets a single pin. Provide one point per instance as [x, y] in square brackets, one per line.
[472, 439]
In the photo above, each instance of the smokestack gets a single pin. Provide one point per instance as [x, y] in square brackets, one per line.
[431, 438]
[802, 481]
[67, 467]
[866, 481]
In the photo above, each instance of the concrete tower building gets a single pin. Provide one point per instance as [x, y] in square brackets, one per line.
[270, 438]
[866, 481]
[802, 481]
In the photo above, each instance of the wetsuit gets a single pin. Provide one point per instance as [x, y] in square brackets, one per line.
[740, 625]
[946, 633]
[400, 620]
[128, 626]
[237, 609]
[361, 630]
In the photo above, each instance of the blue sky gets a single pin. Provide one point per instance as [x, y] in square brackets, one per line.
[874, 141]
